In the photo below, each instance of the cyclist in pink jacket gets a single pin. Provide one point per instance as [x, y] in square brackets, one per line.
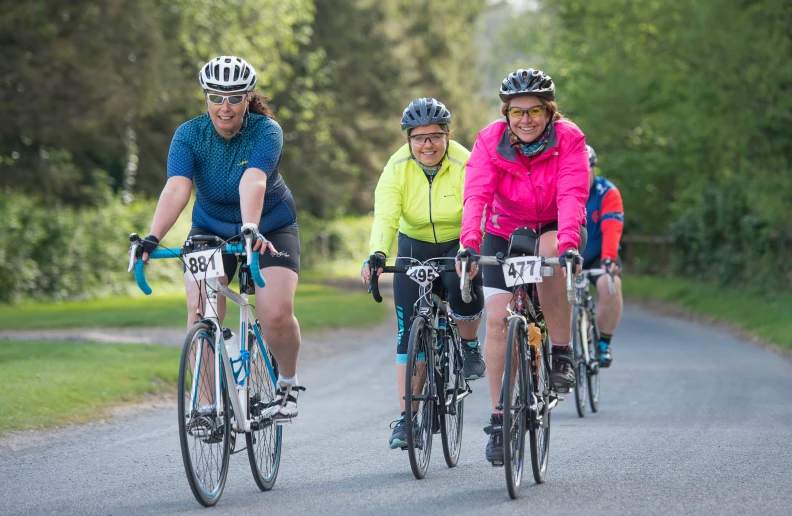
[531, 169]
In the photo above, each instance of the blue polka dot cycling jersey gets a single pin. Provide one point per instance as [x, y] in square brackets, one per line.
[216, 166]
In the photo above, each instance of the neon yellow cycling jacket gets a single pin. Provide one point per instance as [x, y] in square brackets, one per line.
[406, 200]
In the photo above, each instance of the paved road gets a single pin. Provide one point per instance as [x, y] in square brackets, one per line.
[692, 421]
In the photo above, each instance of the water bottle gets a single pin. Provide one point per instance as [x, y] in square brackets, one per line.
[232, 348]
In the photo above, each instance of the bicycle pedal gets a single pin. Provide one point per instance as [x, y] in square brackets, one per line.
[497, 464]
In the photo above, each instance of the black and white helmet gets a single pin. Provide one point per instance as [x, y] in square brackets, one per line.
[527, 82]
[425, 111]
[592, 156]
[227, 73]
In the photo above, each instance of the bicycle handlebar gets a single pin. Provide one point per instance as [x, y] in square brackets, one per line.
[373, 285]
[600, 271]
[177, 252]
[465, 283]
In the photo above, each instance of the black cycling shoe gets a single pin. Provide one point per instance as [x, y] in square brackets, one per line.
[605, 356]
[494, 451]
[562, 378]
[473, 366]
[398, 438]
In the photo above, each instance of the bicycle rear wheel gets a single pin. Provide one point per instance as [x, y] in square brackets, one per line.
[418, 402]
[204, 424]
[593, 376]
[515, 406]
[264, 439]
[452, 408]
[580, 339]
[539, 432]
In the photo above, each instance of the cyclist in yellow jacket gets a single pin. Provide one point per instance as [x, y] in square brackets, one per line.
[420, 195]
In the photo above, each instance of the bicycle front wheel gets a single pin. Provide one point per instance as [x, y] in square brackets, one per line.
[418, 402]
[452, 408]
[580, 339]
[593, 378]
[515, 406]
[204, 422]
[264, 439]
[539, 432]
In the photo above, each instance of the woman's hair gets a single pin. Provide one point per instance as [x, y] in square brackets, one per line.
[258, 104]
[550, 105]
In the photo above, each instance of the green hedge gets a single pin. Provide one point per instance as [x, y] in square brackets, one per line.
[721, 238]
[56, 252]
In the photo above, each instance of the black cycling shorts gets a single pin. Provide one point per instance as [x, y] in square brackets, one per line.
[406, 291]
[493, 274]
[286, 240]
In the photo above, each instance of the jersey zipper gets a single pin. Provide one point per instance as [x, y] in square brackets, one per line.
[434, 230]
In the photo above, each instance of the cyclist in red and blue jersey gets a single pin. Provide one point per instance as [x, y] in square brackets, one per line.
[605, 222]
[231, 154]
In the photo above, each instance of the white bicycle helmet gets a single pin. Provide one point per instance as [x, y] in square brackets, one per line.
[227, 73]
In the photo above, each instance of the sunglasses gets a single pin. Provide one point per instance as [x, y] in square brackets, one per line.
[421, 139]
[533, 112]
[233, 100]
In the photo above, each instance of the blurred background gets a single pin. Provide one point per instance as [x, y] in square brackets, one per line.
[688, 104]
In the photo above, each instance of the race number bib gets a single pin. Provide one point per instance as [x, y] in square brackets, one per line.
[581, 280]
[422, 274]
[522, 269]
[204, 264]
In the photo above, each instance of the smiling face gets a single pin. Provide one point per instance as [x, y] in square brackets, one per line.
[427, 144]
[227, 118]
[526, 128]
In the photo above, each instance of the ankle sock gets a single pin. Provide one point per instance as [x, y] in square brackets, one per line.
[470, 343]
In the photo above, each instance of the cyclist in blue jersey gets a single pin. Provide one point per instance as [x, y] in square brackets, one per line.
[605, 213]
[231, 154]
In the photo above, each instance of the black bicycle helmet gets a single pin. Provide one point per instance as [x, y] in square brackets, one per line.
[527, 82]
[592, 156]
[424, 111]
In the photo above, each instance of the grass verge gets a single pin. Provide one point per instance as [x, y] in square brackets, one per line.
[49, 384]
[316, 306]
[767, 315]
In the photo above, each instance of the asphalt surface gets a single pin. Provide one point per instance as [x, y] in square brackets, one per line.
[691, 421]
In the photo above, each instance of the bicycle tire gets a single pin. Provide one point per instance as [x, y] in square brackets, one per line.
[515, 405]
[264, 441]
[593, 374]
[452, 384]
[580, 339]
[205, 457]
[419, 413]
[539, 432]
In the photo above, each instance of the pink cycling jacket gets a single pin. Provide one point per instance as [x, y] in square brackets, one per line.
[510, 190]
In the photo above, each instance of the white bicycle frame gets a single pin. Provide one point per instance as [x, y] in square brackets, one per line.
[239, 402]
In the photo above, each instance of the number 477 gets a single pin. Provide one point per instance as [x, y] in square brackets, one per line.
[513, 270]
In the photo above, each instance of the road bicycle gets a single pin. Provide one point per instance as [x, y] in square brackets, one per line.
[526, 396]
[585, 340]
[434, 352]
[227, 380]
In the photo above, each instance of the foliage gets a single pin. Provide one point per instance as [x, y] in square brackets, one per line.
[120, 75]
[60, 252]
[688, 105]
